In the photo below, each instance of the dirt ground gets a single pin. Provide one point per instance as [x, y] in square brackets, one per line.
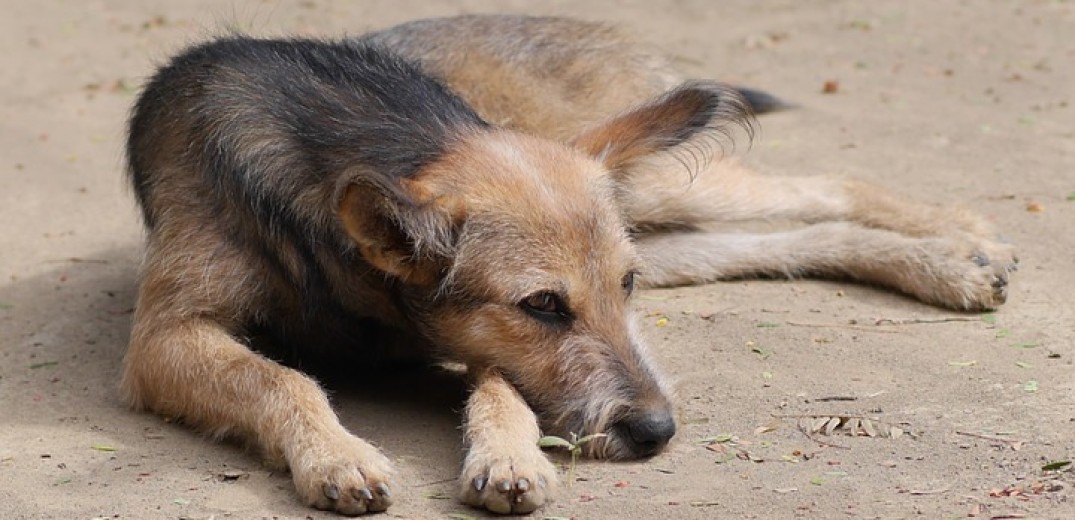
[965, 102]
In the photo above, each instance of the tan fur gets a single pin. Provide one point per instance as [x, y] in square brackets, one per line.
[595, 172]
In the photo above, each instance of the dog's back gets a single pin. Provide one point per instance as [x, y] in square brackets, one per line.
[547, 76]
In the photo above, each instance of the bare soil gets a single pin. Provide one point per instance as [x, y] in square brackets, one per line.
[954, 102]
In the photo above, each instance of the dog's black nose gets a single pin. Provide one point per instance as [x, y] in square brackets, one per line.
[648, 433]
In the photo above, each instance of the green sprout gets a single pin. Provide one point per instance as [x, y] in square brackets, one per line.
[574, 446]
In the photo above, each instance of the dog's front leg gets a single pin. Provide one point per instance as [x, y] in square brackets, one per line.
[195, 370]
[504, 471]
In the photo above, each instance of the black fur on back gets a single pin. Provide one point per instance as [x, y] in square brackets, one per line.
[266, 120]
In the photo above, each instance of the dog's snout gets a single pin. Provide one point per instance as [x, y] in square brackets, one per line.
[648, 433]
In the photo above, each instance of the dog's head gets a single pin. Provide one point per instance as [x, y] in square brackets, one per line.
[514, 255]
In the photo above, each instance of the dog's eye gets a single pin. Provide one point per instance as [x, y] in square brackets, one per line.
[628, 283]
[545, 306]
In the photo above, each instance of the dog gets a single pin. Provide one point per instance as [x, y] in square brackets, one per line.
[487, 190]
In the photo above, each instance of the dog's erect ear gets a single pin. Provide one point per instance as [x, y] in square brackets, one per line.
[678, 116]
[400, 231]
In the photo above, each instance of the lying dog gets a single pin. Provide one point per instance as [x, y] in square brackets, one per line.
[486, 190]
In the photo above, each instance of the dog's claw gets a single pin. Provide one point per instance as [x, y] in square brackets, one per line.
[332, 492]
[383, 490]
[517, 483]
[343, 477]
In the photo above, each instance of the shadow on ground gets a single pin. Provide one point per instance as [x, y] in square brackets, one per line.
[66, 331]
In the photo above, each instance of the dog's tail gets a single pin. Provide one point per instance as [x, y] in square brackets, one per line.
[762, 102]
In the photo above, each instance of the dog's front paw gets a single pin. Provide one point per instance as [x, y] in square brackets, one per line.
[346, 475]
[513, 482]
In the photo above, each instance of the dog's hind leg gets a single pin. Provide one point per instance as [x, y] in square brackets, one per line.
[661, 193]
[656, 194]
[504, 471]
[939, 270]
[184, 362]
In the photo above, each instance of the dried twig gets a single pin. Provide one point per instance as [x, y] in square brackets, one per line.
[917, 321]
[929, 491]
[443, 481]
[991, 437]
[835, 398]
[840, 326]
[820, 415]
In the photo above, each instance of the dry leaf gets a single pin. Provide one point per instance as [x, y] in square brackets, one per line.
[867, 426]
[232, 475]
[852, 426]
[771, 426]
[831, 425]
[717, 448]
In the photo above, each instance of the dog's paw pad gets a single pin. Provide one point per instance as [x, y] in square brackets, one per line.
[351, 479]
[509, 485]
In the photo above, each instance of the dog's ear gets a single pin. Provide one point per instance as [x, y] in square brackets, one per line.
[690, 110]
[400, 230]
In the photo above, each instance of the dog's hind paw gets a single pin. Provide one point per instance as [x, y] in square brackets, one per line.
[515, 483]
[966, 273]
[348, 476]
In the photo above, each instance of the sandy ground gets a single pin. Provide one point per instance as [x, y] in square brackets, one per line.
[952, 102]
